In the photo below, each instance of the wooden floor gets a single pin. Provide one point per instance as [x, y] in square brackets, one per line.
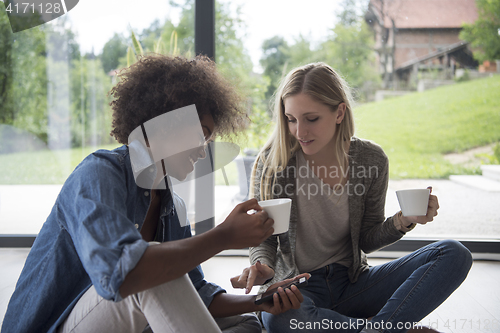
[473, 308]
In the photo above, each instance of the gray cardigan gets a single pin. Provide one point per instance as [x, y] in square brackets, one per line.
[367, 186]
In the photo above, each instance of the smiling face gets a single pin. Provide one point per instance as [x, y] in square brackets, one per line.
[181, 165]
[312, 123]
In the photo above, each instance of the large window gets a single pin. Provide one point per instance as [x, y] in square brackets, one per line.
[55, 77]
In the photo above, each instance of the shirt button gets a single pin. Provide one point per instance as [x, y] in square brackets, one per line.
[146, 193]
[136, 226]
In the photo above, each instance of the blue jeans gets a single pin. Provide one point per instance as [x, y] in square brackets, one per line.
[396, 294]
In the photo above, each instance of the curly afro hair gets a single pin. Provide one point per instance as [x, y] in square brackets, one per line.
[157, 84]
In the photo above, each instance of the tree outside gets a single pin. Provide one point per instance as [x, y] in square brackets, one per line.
[349, 49]
[484, 34]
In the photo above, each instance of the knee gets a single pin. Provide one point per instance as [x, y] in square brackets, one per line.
[179, 286]
[458, 253]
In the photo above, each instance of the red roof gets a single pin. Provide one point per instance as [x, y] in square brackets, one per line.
[420, 14]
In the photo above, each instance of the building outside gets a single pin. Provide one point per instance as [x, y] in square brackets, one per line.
[414, 36]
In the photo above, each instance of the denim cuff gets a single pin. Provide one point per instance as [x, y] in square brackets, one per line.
[131, 255]
[208, 292]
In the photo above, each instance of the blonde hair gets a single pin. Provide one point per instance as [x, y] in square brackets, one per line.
[322, 83]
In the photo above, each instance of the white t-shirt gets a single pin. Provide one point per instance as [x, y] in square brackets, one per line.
[323, 230]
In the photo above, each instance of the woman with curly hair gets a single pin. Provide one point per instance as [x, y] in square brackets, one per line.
[115, 255]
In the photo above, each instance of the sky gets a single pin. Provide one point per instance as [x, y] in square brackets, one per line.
[96, 20]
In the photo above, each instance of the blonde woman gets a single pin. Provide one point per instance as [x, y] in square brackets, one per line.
[338, 186]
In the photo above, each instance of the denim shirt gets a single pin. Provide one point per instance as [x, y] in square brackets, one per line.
[92, 237]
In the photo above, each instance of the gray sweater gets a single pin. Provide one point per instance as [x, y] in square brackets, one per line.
[368, 177]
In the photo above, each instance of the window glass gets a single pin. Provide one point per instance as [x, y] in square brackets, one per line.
[54, 108]
[426, 96]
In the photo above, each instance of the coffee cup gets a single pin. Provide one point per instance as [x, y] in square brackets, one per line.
[279, 211]
[413, 202]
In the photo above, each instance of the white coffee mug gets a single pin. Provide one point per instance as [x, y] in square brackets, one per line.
[413, 202]
[279, 211]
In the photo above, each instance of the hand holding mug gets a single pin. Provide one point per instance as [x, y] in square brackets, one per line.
[414, 216]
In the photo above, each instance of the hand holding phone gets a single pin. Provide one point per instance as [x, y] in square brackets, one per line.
[268, 294]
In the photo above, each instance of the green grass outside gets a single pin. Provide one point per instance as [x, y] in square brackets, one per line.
[42, 167]
[414, 130]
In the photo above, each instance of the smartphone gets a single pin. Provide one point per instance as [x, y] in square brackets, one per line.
[268, 295]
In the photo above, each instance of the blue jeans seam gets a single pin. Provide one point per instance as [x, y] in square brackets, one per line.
[330, 289]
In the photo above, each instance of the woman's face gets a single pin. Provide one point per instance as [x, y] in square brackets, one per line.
[312, 123]
[181, 165]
